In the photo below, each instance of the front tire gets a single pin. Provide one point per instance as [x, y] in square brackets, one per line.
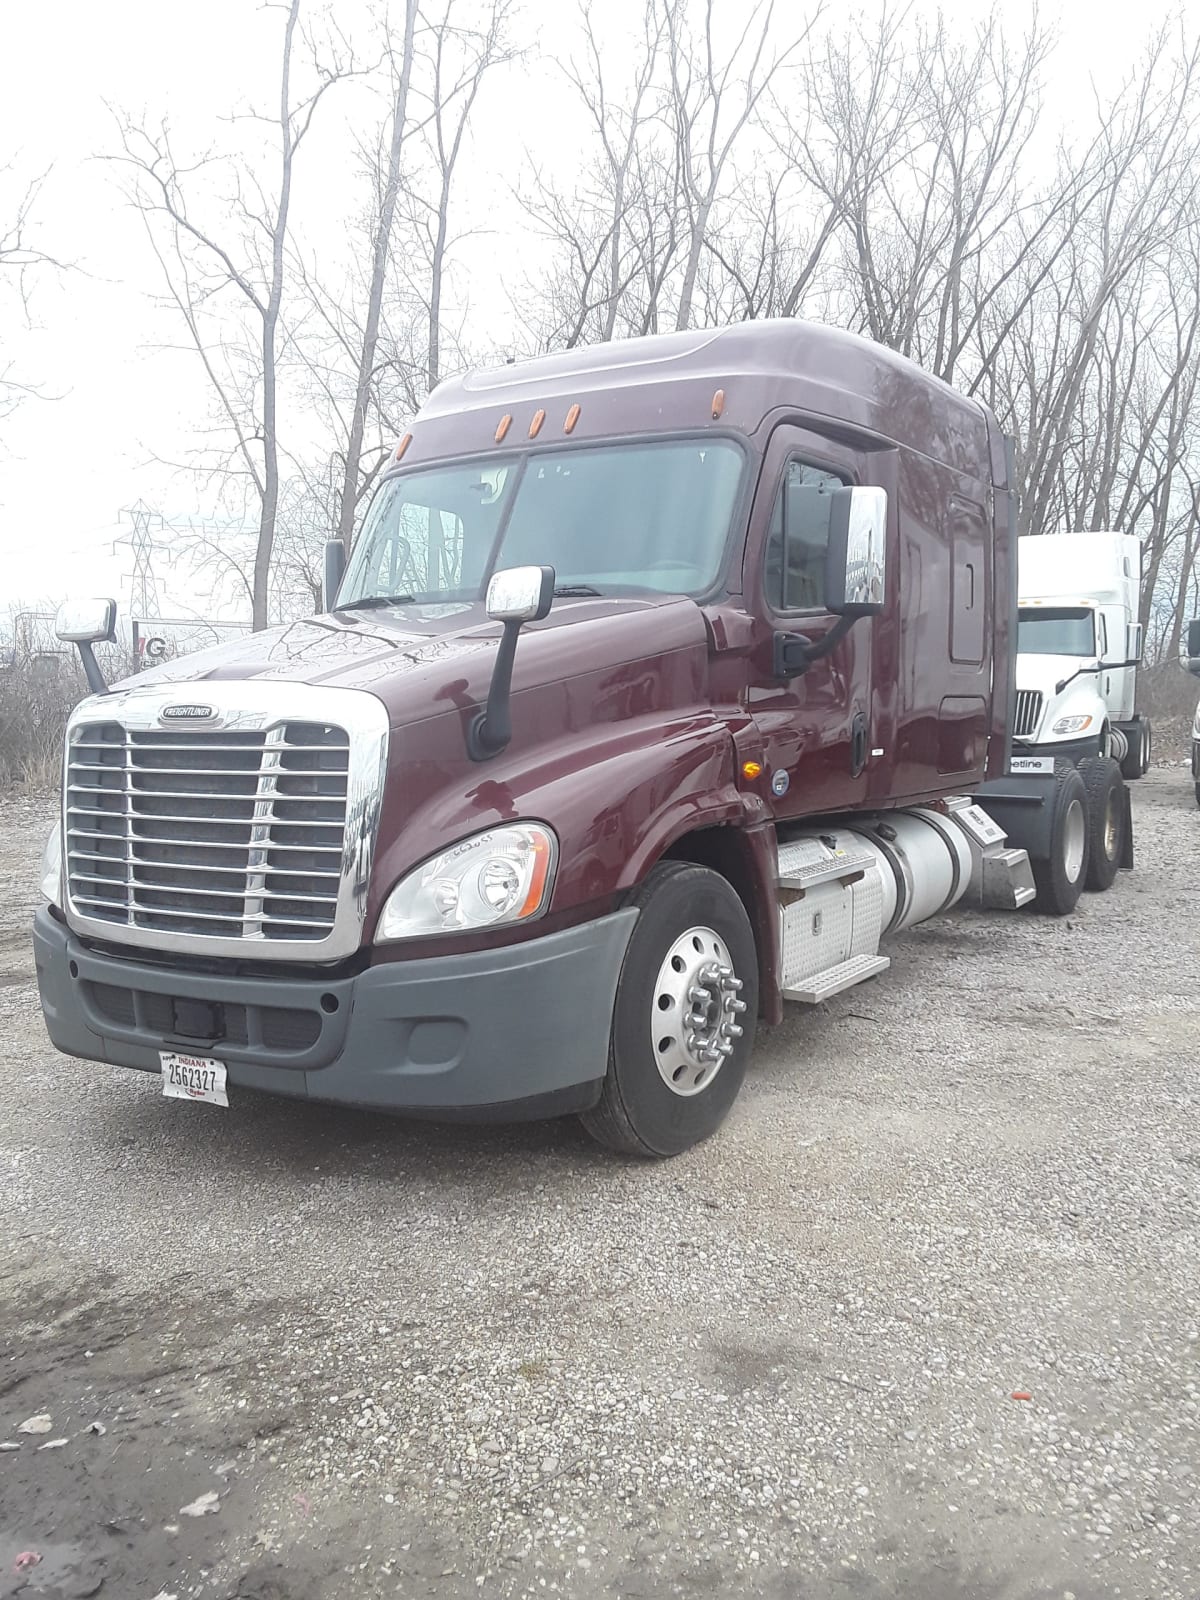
[1105, 820]
[1059, 877]
[684, 1018]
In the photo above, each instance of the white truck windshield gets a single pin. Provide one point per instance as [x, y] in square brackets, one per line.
[607, 518]
[1056, 631]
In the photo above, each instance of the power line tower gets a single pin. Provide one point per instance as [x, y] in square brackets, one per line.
[143, 594]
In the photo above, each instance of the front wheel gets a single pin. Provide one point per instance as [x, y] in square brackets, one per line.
[683, 1022]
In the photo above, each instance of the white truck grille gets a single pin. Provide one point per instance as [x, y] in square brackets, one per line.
[255, 827]
[1028, 713]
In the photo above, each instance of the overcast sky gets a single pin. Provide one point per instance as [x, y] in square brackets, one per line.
[69, 465]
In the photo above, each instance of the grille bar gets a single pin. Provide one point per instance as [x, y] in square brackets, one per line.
[145, 811]
[202, 844]
[1028, 713]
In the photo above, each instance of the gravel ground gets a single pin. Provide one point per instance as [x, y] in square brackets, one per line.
[923, 1320]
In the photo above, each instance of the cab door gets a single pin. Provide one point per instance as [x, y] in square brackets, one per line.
[817, 729]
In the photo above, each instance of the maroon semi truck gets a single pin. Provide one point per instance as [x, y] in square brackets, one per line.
[664, 680]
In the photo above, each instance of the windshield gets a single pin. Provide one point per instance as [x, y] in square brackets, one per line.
[1063, 631]
[608, 518]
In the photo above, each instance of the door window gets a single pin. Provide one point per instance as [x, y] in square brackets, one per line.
[800, 523]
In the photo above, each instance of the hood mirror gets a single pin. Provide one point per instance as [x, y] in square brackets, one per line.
[515, 596]
[85, 623]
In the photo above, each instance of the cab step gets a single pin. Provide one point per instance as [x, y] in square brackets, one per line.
[835, 979]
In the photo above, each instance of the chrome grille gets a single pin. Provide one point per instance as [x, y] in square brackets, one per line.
[1028, 713]
[221, 833]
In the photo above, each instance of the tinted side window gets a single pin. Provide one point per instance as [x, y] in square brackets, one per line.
[804, 504]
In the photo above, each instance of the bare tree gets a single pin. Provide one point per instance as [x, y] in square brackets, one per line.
[22, 261]
[714, 101]
[461, 45]
[243, 256]
[388, 169]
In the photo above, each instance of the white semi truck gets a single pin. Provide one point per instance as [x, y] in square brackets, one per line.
[1079, 643]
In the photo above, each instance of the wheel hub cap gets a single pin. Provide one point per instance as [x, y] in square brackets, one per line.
[696, 1005]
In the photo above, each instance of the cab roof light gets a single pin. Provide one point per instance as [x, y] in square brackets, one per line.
[718, 405]
[403, 446]
[504, 425]
[535, 427]
[572, 419]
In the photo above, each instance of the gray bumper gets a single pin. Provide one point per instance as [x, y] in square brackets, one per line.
[518, 1031]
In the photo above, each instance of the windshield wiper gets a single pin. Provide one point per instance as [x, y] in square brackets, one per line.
[576, 591]
[373, 601]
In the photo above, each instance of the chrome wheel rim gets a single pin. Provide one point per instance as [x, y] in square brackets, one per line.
[695, 1008]
[1074, 837]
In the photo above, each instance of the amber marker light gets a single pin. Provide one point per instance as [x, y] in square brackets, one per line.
[572, 419]
[535, 427]
[537, 881]
[403, 446]
[505, 425]
[718, 404]
[751, 770]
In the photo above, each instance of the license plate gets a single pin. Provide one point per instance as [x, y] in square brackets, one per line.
[193, 1078]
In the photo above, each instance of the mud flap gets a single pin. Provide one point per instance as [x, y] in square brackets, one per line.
[1020, 804]
[1126, 861]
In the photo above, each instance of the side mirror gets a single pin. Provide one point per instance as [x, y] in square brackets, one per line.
[520, 594]
[335, 571]
[1193, 646]
[856, 557]
[84, 623]
[514, 597]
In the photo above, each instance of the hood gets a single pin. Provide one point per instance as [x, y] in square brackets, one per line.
[420, 660]
[1043, 672]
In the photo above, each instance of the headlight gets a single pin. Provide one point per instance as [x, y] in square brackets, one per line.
[1072, 724]
[51, 868]
[504, 875]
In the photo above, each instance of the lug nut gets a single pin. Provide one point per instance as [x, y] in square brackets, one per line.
[732, 1031]
[697, 995]
[734, 985]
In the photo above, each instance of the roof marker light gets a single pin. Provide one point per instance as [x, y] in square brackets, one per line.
[504, 426]
[718, 404]
[535, 427]
[572, 419]
[403, 446]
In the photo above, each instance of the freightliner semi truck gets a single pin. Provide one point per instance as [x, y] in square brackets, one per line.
[665, 680]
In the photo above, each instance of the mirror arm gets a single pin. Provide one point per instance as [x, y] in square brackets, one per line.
[491, 730]
[91, 667]
[794, 654]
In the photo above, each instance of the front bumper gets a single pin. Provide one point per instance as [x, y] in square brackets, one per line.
[1073, 750]
[518, 1031]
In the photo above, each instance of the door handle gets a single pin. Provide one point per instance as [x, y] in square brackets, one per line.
[858, 744]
